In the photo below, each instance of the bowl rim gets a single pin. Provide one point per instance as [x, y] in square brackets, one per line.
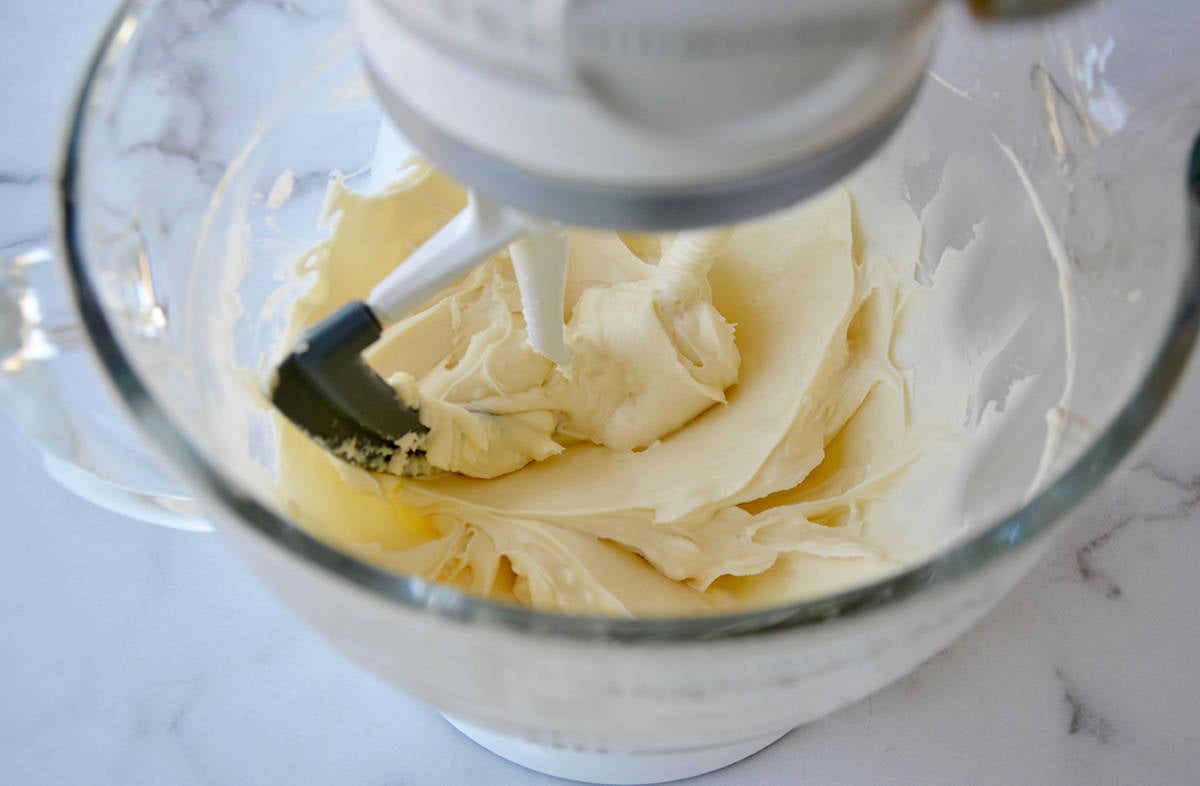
[1006, 536]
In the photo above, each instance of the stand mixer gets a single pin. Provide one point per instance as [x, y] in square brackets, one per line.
[653, 115]
[170, 269]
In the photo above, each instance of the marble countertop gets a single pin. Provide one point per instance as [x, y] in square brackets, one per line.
[134, 654]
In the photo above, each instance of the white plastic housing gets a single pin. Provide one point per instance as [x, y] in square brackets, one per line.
[648, 93]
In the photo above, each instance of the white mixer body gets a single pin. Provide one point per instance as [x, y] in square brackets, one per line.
[634, 99]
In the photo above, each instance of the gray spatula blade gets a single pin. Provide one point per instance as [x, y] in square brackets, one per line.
[327, 390]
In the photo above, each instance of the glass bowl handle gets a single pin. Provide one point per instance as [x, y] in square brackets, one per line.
[53, 395]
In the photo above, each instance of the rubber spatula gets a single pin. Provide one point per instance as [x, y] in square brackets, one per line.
[326, 388]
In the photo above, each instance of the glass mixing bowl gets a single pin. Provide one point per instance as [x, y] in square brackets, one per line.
[1060, 152]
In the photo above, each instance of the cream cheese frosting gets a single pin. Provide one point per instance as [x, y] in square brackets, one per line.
[648, 350]
[732, 430]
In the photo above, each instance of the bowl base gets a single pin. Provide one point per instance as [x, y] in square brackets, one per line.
[616, 767]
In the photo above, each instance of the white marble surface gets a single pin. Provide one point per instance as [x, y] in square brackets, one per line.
[133, 654]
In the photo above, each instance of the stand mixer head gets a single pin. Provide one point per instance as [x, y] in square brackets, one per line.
[657, 115]
[649, 115]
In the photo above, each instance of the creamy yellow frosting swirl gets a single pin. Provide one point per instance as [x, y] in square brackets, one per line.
[727, 434]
